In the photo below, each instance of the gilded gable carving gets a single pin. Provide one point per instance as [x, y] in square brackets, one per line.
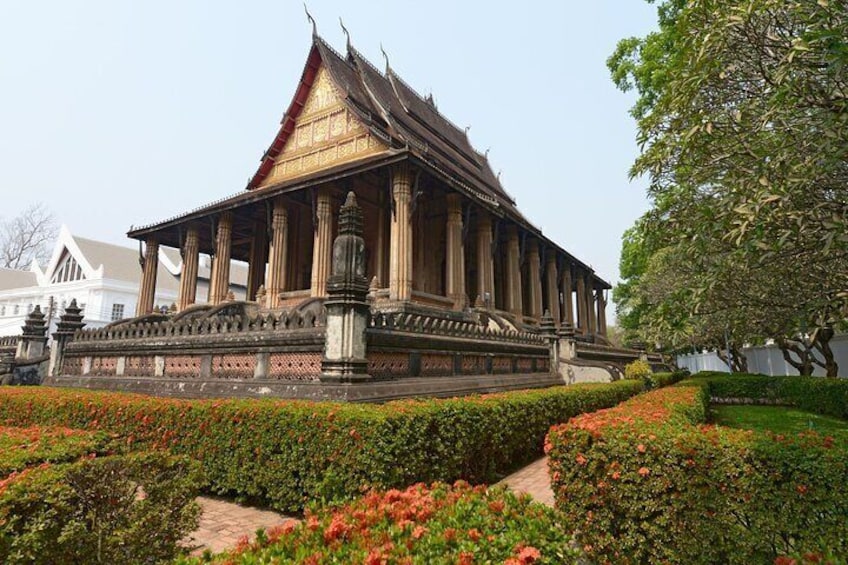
[326, 134]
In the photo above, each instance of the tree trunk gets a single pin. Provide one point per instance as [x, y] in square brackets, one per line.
[822, 344]
[804, 364]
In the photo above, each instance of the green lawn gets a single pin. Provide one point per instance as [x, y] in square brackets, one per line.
[778, 419]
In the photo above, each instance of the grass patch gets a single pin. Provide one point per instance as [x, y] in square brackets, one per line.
[778, 419]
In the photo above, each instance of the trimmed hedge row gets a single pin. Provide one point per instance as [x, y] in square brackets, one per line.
[286, 453]
[65, 500]
[647, 482]
[433, 525]
[813, 394]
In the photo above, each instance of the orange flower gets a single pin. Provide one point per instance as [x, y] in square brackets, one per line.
[616, 475]
[644, 471]
[581, 459]
[640, 448]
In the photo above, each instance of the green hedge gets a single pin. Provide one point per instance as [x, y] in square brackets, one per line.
[114, 509]
[647, 482]
[433, 525]
[813, 394]
[286, 453]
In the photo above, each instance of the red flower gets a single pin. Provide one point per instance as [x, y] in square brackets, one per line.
[802, 489]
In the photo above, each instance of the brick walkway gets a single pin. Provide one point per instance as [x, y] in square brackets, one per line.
[222, 523]
[532, 479]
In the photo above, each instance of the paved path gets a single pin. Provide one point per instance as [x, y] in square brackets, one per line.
[532, 479]
[223, 523]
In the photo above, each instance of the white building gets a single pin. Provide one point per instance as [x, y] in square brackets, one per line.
[102, 277]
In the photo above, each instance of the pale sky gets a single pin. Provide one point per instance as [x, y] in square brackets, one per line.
[116, 113]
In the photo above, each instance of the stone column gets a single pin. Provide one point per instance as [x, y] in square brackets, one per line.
[400, 238]
[348, 311]
[567, 303]
[258, 257]
[188, 277]
[220, 283]
[602, 312]
[454, 261]
[513, 274]
[323, 245]
[275, 281]
[147, 290]
[33, 337]
[485, 261]
[582, 312]
[552, 283]
[592, 325]
[534, 279]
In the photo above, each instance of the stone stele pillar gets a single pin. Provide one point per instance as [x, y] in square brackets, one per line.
[221, 271]
[485, 261]
[188, 278]
[455, 263]
[278, 256]
[348, 311]
[323, 244]
[513, 274]
[147, 290]
[400, 238]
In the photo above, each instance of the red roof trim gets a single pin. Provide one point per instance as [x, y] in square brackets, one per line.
[313, 63]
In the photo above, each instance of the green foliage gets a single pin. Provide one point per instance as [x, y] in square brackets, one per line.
[646, 483]
[287, 453]
[437, 524]
[743, 123]
[813, 394]
[639, 370]
[115, 509]
[23, 447]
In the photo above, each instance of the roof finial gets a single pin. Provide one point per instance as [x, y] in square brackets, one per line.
[386, 57]
[486, 154]
[311, 20]
[347, 34]
[466, 130]
[499, 175]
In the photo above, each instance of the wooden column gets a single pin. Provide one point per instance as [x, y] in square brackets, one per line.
[400, 242]
[188, 278]
[147, 291]
[513, 274]
[602, 312]
[322, 249]
[258, 258]
[485, 261]
[275, 281]
[567, 295]
[220, 284]
[552, 283]
[590, 306]
[454, 260]
[582, 312]
[534, 279]
[380, 258]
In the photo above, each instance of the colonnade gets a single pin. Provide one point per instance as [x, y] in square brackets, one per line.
[534, 276]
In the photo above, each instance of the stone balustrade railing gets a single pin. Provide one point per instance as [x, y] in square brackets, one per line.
[9, 341]
[208, 326]
[434, 326]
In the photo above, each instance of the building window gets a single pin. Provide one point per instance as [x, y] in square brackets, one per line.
[117, 312]
[3, 310]
[17, 309]
[68, 270]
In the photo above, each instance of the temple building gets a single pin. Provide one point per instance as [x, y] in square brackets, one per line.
[459, 283]
[441, 231]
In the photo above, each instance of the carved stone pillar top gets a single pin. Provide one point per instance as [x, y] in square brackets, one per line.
[70, 321]
[34, 325]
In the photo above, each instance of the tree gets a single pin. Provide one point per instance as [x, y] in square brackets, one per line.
[27, 237]
[743, 122]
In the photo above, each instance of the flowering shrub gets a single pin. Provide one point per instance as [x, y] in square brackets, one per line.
[648, 482]
[288, 452]
[63, 499]
[434, 525]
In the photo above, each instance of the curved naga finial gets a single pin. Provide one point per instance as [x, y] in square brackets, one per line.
[486, 154]
[386, 57]
[347, 34]
[311, 20]
[466, 130]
